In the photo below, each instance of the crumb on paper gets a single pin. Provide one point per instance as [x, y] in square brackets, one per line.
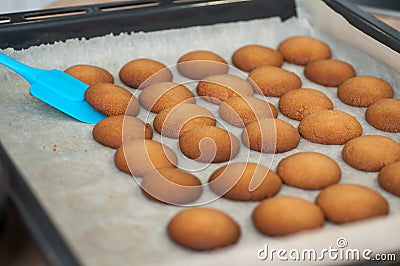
[55, 147]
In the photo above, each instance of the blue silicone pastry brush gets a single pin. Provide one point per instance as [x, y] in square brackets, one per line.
[57, 89]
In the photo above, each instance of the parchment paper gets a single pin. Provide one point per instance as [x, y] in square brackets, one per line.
[101, 211]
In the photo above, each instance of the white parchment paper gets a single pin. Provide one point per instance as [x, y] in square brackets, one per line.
[101, 211]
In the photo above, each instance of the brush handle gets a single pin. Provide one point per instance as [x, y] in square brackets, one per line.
[27, 72]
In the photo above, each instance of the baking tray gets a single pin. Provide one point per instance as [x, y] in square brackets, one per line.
[22, 30]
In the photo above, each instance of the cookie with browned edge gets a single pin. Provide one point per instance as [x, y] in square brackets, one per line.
[171, 185]
[217, 88]
[298, 103]
[273, 81]
[239, 111]
[384, 115]
[90, 74]
[362, 91]
[270, 135]
[159, 96]
[330, 127]
[200, 64]
[251, 56]
[114, 130]
[139, 156]
[245, 182]
[176, 120]
[209, 144]
[142, 72]
[309, 170]
[286, 215]
[329, 72]
[111, 99]
[389, 178]
[371, 152]
[344, 203]
[301, 50]
[203, 229]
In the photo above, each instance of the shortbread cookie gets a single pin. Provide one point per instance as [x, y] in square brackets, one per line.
[329, 127]
[273, 81]
[90, 74]
[389, 178]
[384, 115]
[239, 111]
[203, 229]
[200, 64]
[218, 88]
[301, 50]
[329, 72]
[270, 135]
[285, 215]
[245, 182]
[176, 120]
[159, 96]
[114, 130]
[209, 144]
[111, 99]
[298, 103]
[309, 170]
[371, 153]
[171, 185]
[142, 72]
[139, 156]
[252, 56]
[344, 203]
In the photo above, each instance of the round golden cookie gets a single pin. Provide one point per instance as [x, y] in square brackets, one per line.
[329, 127]
[371, 152]
[389, 178]
[203, 229]
[200, 64]
[286, 215]
[176, 120]
[239, 111]
[245, 182]
[384, 115]
[301, 50]
[252, 56]
[171, 185]
[273, 81]
[90, 74]
[362, 91]
[298, 103]
[270, 135]
[209, 144]
[329, 72]
[142, 72]
[159, 96]
[344, 203]
[309, 170]
[139, 156]
[218, 88]
[114, 130]
[111, 99]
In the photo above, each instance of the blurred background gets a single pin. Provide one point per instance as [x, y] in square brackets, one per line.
[8, 6]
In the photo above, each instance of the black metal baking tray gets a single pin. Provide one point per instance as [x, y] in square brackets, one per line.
[23, 30]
